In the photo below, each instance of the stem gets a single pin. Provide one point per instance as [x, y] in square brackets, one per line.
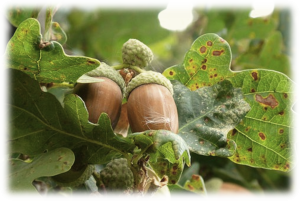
[135, 68]
[48, 22]
[64, 84]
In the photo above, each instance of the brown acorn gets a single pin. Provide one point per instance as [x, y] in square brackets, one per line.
[105, 96]
[150, 103]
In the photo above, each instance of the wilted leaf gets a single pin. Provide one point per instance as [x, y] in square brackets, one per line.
[54, 162]
[49, 64]
[264, 137]
[207, 115]
[38, 122]
[164, 142]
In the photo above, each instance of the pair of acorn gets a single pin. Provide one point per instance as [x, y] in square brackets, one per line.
[150, 103]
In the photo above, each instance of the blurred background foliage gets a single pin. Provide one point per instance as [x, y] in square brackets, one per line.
[262, 42]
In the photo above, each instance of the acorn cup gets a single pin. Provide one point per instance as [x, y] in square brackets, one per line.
[150, 103]
[105, 96]
[136, 53]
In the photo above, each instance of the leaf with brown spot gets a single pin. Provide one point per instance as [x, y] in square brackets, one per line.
[44, 65]
[22, 174]
[195, 184]
[210, 50]
[270, 119]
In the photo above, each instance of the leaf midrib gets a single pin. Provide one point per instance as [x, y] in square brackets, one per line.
[66, 133]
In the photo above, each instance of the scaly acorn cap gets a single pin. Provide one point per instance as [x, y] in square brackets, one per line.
[136, 53]
[148, 77]
[105, 70]
[74, 178]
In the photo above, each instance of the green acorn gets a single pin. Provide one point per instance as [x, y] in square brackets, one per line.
[117, 176]
[150, 103]
[136, 53]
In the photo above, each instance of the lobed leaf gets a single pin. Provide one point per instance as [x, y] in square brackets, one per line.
[205, 64]
[38, 122]
[54, 162]
[49, 64]
[264, 137]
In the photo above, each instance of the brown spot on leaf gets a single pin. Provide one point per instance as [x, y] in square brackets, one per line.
[281, 131]
[204, 61]
[91, 62]
[173, 181]
[252, 90]
[190, 187]
[285, 95]
[251, 160]
[201, 142]
[234, 131]
[282, 146]
[195, 177]
[269, 101]
[262, 136]
[254, 75]
[171, 73]
[217, 52]
[287, 166]
[281, 113]
[191, 60]
[215, 75]
[249, 149]
[203, 67]
[209, 43]
[202, 49]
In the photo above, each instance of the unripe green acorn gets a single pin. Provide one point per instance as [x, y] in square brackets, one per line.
[76, 176]
[150, 103]
[117, 176]
[136, 53]
[105, 96]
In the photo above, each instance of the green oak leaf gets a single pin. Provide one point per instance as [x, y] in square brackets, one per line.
[195, 184]
[207, 115]
[205, 64]
[38, 122]
[162, 143]
[180, 193]
[263, 137]
[49, 64]
[268, 93]
[22, 174]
